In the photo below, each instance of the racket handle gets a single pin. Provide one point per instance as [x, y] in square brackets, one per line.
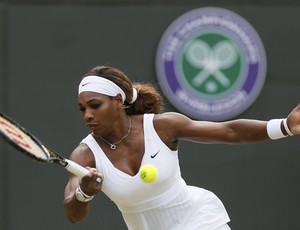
[76, 169]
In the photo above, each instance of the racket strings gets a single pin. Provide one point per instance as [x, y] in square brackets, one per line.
[19, 137]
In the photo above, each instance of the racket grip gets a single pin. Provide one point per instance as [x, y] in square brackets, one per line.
[76, 169]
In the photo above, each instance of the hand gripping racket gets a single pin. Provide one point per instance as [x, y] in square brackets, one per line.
[26, 143]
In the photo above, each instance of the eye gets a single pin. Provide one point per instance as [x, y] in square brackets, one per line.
[95, 105]
[81, 109]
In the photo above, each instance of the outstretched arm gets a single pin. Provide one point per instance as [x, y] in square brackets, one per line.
[174, 126]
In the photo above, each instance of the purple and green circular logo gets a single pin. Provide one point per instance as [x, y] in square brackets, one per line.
[211, 64]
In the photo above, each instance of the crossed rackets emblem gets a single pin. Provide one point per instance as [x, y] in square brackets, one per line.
[211, 61]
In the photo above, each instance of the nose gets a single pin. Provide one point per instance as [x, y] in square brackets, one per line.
[88, 116]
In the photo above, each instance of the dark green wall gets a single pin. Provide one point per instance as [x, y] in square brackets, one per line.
[46, 46]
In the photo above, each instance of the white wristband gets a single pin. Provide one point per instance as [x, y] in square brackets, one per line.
[274, 129]
[81, 196]
[287, 129]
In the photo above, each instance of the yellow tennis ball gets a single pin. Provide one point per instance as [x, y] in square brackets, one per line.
[148, 173]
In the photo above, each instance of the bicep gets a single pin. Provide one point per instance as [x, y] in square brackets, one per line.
[203, 131]
[176, 126]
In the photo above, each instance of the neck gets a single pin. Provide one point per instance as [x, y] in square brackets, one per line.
[113, 144]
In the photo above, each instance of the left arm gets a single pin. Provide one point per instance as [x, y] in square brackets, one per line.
[239, 131]
[175, 126]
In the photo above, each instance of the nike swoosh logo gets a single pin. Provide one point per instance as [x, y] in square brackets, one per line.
[152, 156]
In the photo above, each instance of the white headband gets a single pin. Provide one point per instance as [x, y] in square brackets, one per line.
[134, 95]
[104, 86]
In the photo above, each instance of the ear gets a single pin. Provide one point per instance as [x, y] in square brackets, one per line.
[119, 100]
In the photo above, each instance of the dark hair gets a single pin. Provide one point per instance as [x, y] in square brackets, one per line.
[148, 100]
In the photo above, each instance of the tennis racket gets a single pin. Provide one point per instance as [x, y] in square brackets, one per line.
[28, 144]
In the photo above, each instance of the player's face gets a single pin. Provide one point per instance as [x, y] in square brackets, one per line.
[98, 111]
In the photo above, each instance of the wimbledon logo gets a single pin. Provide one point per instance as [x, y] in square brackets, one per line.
[211, 64]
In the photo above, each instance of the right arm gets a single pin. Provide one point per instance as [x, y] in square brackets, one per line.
[75, 209]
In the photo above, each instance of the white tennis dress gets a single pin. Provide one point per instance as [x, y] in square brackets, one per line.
[167, 203]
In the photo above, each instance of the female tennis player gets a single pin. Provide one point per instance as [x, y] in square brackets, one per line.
[127, 132]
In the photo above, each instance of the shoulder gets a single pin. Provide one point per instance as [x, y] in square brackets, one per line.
[83, 155]
[170, 119]
[179, 126]
[171, 123]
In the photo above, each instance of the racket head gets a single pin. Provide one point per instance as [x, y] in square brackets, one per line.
[21, 139]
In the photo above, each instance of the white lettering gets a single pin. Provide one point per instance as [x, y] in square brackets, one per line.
[189, 27]
[217, 107]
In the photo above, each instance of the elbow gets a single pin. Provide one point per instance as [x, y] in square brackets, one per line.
[73, 213]
[72, 219]
[233, 138]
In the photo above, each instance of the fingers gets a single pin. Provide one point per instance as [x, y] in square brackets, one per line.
[293, 120]
[95, 175]
[92, 182]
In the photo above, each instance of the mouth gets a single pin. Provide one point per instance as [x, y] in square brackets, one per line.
[91, 126]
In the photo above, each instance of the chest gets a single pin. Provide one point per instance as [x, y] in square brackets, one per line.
[126, 188]
[128, 156]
